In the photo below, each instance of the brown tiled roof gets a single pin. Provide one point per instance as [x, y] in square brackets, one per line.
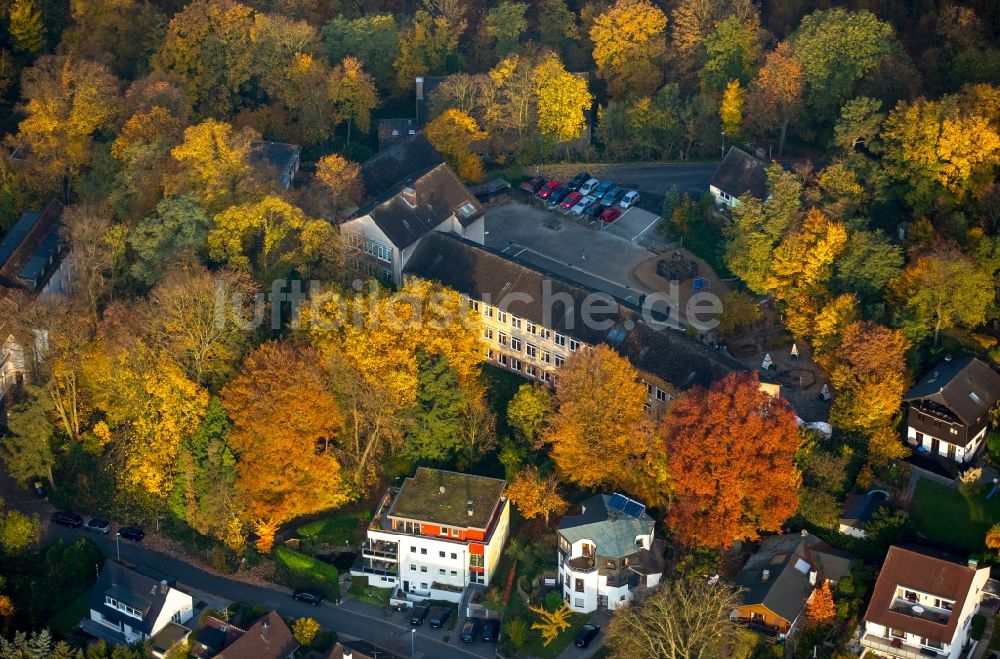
[928, 574]
[967, 386]
[276, 643]
[338, 653]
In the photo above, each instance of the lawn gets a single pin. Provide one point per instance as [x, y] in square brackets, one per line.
[533, 646]
[371, 594]
[946, 515]
[66, 620]
[301, 571]
[334, 530]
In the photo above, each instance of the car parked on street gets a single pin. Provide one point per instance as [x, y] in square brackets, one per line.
[571, 199]
[470, 630]
[610, 215]
[557, 196]
[98, 525]
[583, 204]
[133, 533]
[439, 616]
[308, 596]
[547, 189]
[418, 615]
[71, 520]
[630, 199]
[587, 634]
[491, 630]
[589, 187]
[578, 180]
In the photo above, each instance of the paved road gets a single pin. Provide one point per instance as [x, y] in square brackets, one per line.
[351, 621]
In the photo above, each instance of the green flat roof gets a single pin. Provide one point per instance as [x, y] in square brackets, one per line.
[441, 497]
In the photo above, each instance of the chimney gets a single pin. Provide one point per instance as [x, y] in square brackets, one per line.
[468, 507]
[409, 195]
[974, 563]
[804, 533]
[441, 489]
[164, 587]
[265, 632]
[347, 653]
[765, 575]
[419, 80]
[812, 577]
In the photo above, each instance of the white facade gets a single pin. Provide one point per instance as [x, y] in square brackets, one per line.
[585, 589]
[723, 197]
[945, 447]
[178, 607]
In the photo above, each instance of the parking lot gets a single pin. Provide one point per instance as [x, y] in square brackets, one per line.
[634, 223]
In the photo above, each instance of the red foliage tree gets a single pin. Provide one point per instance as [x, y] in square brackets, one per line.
[731, 450]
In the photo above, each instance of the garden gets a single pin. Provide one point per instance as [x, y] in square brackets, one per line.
[958, 517]
[296, 570]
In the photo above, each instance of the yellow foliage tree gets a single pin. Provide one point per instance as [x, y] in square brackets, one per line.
[820, 610]
[305, 631]
[452, 133]
[828, 327]
[731, 110]
[629, 43]
[562, 99]
[213, 164]
[552, 622]
[993, 537]
[265, 530]
[870, 376]
[885, 447]
[535, 495]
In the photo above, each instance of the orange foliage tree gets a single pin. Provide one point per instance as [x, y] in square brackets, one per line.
[731, 449]
[285, 420]
[870, 376]
[535, 495]
[820, 610]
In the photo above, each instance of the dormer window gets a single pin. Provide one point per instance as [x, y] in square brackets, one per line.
[466, 210]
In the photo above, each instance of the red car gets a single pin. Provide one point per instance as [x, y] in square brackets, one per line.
[547, 189]
[571, 199]
[610, 215]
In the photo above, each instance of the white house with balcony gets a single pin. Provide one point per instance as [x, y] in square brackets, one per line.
[127, 607]
[923, 606]
[437, 534]
[607, 553]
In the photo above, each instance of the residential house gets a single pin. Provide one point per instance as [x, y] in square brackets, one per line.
[214, 636]
[435, 535]
[532, 321]
[268, 638]
[127, 607]
[340, 651]
[608, 553]
[383, 234]
[737, 175]
[279, 160]
[858, 511]
[923, 605]
[949, 409]
[780, 577]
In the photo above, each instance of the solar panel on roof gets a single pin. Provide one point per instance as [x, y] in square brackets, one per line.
[617, 502]
[634, 508]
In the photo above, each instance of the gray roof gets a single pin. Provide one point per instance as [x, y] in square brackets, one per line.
[967, 387]
[128, 586]
[788, 560]
[280, 154]
[415, 206]
[32, 248]
[740, 173]
[859, 508]
[485, 274]
[613, 533]
[386, 171]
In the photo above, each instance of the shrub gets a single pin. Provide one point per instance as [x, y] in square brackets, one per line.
[553, 600]
[517, 632]
[296, 570]
[993, 446]
[305, 631]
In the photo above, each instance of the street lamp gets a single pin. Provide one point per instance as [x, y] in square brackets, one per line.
[413, 638]
[118, 546]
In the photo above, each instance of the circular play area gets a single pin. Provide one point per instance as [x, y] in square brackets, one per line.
[676, 267]
[797, 378]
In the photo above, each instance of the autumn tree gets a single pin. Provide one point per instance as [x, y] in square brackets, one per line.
[142, 148]
[774, 97]
[867, 265]
[535, 495]
[885, 447]
[731, 110]
[354, 95]
[732, 49]
[820, 610]
[372, 39]
[993, 537]
[207, 49]
[551, 623]
[528, 410]
[562, 101]
[25, 26]
[213, 165]
[504, 24]
[177, 230]
[629, 42]
[860, 122]
[940, 290]
[870, 376]
[305, 631]
[285, 423]
[341, 181]
[452, 133]
[731, 452]
[66, 102]
[123, 32]
[687, 617]
[599, 412]
[426, 47]
[98, 246]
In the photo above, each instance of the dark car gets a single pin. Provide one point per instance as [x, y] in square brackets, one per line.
[439, 616]
[72, 520]
[470, 630]
[612, 196]
[586, 635]
[579, 180]
[603, 189]
[533, 185]
[308, 596]
[133, 533]
[418, 615]
[98, 525]
[548, 189]
[557, 196]
[593, 211]
[491, 630]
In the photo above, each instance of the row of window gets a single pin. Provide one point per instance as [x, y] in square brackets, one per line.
[370, 247]
[660, 394]
[530, 349]
[366, 269]
[441, 571]
[515, 364]
[441, 554]
[525, 325]
[415, 528]
[121, 606]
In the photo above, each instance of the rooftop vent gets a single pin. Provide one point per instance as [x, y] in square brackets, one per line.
[409, 195]
[468, 507]
[265, 631]
[765, 575]
[441, 489]
[164, 587]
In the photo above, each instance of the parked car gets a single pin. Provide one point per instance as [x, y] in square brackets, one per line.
[534, 184]
[586, 635]
[593, 211]
[418, 615]
[571, 199]
[72, 520]
[491, 630]
[630, 199]
[133, 533]
[578, 180]
[557, 196]
[439, 616]
[547, 189]
[98, 525]
[610, 215]
[589, 187]
[470, 630]
[583, 204]
[612, 196]
[603, 189]
[308, 596]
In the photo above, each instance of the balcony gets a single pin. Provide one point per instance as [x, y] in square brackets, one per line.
[921, 611]
[380, 567]
[380, 549]
[381, 522]
[582, 564]
[895, 647]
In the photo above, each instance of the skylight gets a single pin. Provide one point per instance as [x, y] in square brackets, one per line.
[467, 209]
[975, 397]
[802, 566]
